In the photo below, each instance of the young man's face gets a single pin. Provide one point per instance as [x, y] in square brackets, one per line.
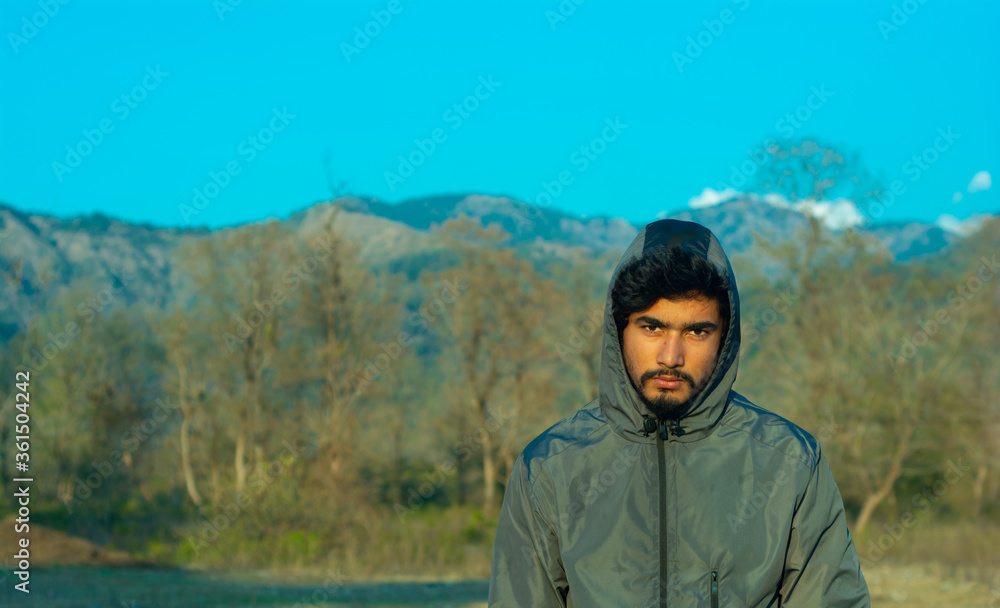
[670, 352]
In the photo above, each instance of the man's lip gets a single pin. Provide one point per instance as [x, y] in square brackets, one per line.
[667, 381]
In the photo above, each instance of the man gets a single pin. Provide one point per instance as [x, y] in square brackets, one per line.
[670, 488]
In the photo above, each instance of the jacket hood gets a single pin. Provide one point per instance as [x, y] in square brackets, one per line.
[621, 404]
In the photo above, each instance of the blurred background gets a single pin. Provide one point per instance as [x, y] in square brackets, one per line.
[296, 283]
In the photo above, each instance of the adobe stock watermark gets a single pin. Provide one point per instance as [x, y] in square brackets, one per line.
[600, 483]
[579, 335]
[957, 299]
[364, 34]
[83, 489]
[922, 502]
[224, 7]
[826, 430]
[900, 15]
[786, 127]
[30, 26]
[915, 168]
[714, 28]
[122, 107]
[87, 309]
[454, 117]
[258, 481]
[291, 280]
[249, 148]
[334, 582]
[461, 451]
[580, 159]
[563, 12]
[873, 209]
[919, 163]
[748, 507]
[760, 322]
[418, 321]
[594, 488]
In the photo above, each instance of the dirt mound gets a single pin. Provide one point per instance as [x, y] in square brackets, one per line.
[50, 547]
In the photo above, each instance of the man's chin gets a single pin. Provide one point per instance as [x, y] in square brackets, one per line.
[666, 407]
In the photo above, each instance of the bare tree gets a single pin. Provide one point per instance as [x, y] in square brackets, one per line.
[874, 415]
[239, 274]
[487, 330]
[583, 304]
[179, 336]
[339, 319]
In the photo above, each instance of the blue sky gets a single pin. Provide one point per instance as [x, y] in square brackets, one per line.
[241, 102]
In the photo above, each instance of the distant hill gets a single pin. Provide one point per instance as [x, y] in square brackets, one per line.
[525, 222]
[40, 254]
[736, 222]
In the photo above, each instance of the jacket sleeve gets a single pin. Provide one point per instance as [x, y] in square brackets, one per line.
[527, 569]
[821, 565]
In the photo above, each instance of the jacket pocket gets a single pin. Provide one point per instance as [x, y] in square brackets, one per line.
[715, 589]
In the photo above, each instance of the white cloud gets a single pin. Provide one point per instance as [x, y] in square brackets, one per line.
[950, 223]
[836, 214]
[956, 198]
[980, 181]
[710, 197]
[776, 199]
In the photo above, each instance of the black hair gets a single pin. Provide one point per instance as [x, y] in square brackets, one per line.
[672, 273]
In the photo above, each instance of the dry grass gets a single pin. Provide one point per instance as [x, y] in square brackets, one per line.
[963, 544]
[933, 564]
[930, 564]
[930, 585]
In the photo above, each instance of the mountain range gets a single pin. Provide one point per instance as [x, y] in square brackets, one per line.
[41, 254]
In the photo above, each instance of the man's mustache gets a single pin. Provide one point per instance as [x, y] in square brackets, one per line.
[659, 373]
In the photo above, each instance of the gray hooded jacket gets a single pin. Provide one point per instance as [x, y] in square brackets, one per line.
[731, 505]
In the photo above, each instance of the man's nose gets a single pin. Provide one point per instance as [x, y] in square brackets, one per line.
[671, 353]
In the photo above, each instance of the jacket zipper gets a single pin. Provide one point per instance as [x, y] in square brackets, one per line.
[662, 462]
[715, 589]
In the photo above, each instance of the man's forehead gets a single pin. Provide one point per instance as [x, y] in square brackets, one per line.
[701, 306]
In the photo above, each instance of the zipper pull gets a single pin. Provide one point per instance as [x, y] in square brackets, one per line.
[663, 431]
[648, 425]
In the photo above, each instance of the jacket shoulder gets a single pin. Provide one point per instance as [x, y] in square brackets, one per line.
[771, 430]
[582, 428]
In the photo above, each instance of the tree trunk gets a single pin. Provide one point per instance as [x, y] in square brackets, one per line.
[977, 488]
[489, 467]
[216, 483]
[489, 476]
[192, 489]
[397, 465]
[895, 471]
[463, 494]
[241, 466]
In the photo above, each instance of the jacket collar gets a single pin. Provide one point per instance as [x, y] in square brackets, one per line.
[619, 400]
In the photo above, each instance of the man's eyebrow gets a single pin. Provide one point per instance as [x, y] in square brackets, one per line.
[695, 326]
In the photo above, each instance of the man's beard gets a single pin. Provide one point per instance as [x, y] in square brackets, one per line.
[664, 406]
